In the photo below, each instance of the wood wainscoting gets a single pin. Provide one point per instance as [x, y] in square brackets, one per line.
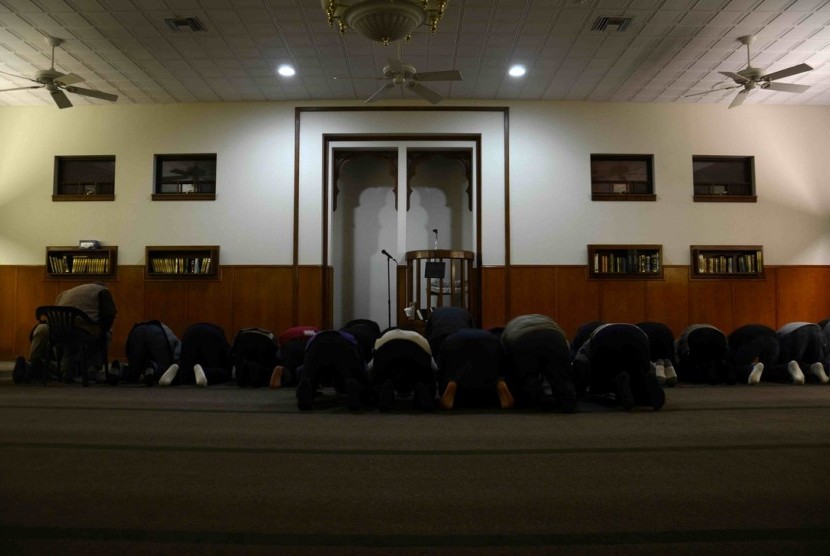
[243, 296]
[276, 297]
[785, 294]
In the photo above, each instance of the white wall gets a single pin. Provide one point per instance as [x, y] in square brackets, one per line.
[251, 219]
[552, 216]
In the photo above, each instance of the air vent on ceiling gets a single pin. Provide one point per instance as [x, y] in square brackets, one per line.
[603, 22]
[185, 24]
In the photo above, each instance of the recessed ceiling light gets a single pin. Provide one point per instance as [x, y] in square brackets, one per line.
[286, 71]
[517, 71]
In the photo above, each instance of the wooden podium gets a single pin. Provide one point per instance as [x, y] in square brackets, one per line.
[435, 278]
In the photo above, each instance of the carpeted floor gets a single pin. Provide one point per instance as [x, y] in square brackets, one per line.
[135, 470]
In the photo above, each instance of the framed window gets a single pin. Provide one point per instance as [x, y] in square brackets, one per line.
[84, 178]
[189, 177]
[618, 177]
[724, 179]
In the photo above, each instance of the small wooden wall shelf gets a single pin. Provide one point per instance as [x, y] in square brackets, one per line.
[727, 261]
[81, 264]
[640, 262]
[195, 262]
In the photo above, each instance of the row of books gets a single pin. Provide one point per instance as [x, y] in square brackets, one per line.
[181, 265]
[745, 263]
[631, 262]
[78, 264]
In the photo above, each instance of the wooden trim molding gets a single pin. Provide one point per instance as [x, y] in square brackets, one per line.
[476, 138]
[623, 197]
[725, 198]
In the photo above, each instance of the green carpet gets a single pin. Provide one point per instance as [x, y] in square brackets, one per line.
[225, 470]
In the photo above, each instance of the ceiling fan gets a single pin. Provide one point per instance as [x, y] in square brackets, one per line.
[56, 82]
[406, 76]
[750, 78]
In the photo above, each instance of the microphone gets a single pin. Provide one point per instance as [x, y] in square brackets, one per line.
[388, 255]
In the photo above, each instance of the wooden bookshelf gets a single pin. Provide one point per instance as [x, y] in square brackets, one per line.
[82, 264]
[640, 262]
[195, 262]
[727, 261]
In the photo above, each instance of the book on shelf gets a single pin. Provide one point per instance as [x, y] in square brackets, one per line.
[739, 263]
[180, 265]
[631, 262]
[58, 264]
[79, 264]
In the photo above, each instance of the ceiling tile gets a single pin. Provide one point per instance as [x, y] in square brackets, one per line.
[670, 46]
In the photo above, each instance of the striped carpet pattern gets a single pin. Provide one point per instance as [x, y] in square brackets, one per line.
[224, 470]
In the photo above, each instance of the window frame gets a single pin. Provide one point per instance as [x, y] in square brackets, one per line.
[726, 196]
[626, 195]
[158, 168]
[59, 184]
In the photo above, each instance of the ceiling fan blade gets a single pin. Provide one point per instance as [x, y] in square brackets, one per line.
[347, 78]
[21, 88]
[424, 92]
[795, 70]
[734, 76]
[739, 98]
[378, 93]
[786, 87]
[90, 93]
[60, 99]
[20, 76]
[713, 91]
[447, 75]
[68, 79]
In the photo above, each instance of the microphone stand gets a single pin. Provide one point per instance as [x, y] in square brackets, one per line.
[389, 258]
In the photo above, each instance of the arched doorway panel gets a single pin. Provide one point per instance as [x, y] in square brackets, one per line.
[319, 129]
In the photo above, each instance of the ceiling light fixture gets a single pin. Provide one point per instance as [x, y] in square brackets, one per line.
[286, 71]
[384, 21]
[517, 70]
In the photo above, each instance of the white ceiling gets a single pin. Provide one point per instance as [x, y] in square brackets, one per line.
[671, 48]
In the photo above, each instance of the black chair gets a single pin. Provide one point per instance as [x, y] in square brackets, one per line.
[69, 328]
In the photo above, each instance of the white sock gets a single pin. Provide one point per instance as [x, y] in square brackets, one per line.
[755, 375]
[795, 372]
[169, 375]
[671, 375]
[818, 369]
[201, 379]
[660, 371]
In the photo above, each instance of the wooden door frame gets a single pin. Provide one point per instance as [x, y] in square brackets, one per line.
[369, 139]
[326, 278]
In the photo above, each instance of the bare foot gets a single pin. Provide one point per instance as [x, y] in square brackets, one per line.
[448, 397]
[505, 397]
[276, 377]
